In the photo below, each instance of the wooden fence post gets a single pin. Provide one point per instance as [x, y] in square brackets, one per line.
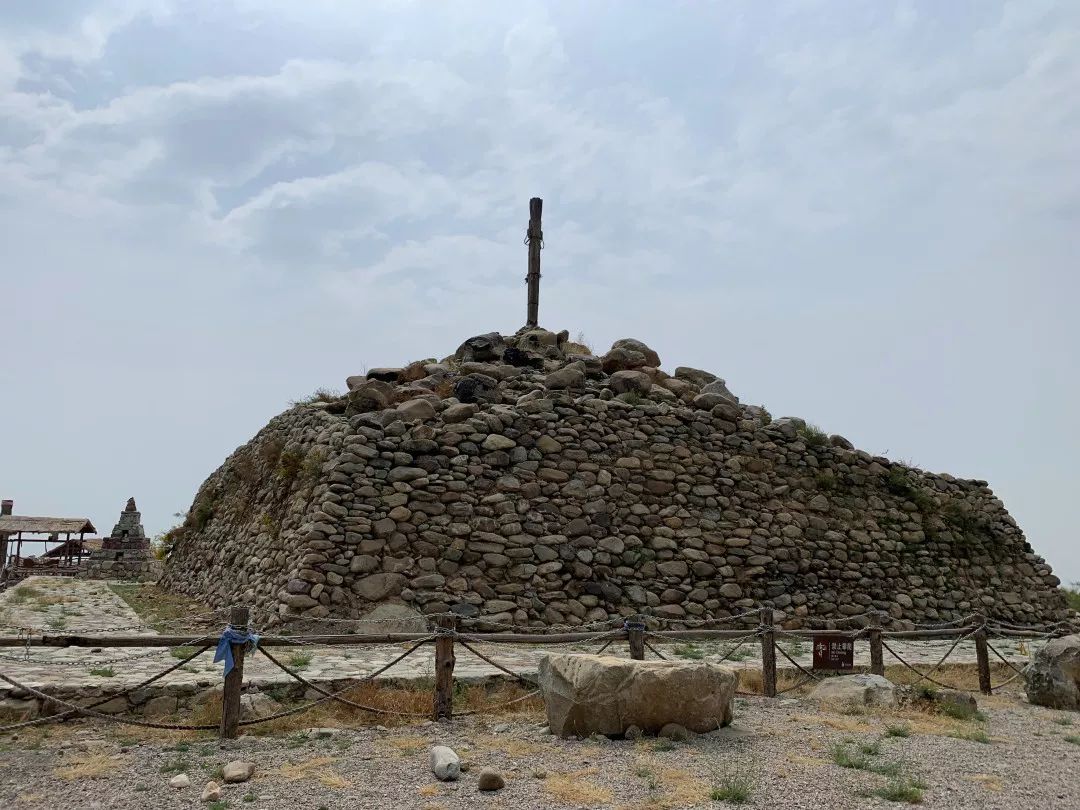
[535, 239]
[444, 668]
[768, 653]
[635, 634]
[877, 652]
[983, 655]
[234, 681]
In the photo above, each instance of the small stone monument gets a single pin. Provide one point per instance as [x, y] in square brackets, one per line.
[126, 553]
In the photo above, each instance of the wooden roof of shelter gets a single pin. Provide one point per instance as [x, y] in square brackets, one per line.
[10, 524]
[76, 546]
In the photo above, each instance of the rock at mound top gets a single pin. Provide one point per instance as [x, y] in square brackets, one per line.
[600, 694]
[521, 480]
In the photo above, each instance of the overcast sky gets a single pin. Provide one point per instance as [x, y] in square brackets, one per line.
[864, 214]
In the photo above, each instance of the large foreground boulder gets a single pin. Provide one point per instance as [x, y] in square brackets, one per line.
[1054, 677]
[587, 694]
[858, 690]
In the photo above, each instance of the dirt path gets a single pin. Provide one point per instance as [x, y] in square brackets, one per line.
[67, 605]
[1018, 757]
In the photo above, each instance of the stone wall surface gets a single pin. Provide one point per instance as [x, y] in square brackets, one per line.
[527, 481]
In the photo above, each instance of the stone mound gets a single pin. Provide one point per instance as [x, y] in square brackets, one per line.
[527, 481]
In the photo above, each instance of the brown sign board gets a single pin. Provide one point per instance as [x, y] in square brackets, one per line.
[833, 653]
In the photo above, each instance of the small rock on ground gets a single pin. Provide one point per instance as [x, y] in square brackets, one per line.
[490, 779]
[673, 731]
[238, 771]
[212, 792]
[445, 763]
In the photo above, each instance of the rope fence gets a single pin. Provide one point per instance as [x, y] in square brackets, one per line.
[447, 631]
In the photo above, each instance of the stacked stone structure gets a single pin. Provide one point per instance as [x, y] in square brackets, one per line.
[525, 480]
[126, 552]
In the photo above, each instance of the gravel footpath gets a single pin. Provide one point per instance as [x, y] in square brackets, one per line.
[782, 745]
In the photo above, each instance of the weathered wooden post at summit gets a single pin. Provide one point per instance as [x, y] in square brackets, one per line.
[534, 238]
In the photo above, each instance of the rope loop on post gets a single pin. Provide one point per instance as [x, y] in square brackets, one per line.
[531, 234]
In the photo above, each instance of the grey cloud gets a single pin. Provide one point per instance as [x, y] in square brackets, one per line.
[862, 215]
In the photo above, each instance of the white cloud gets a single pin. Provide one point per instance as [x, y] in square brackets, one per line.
[790, 191]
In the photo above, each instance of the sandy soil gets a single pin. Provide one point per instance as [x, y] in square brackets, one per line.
[780, 750]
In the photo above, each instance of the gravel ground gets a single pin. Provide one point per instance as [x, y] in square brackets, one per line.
[782, 746]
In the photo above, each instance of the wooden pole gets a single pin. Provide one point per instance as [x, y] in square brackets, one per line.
[982, 653]
[444, 669]
[534, 237]
[877, 652]
[768, 653]
[234, 681]
[635, 634]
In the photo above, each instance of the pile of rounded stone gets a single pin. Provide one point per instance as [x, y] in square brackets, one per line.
[526, 481]
[493, 369]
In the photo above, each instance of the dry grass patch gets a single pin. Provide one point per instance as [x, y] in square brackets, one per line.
[156, 606]
[163, 736]
[671, 788]
[508, 745]
[332, 779]
[750, 680]
[802, 759]
[36, 736]
[58, 599]
[208, 713]
[573, 788]
[402, 701]
[987, 780]
[914, 719]
[91, 766]
[408, 746]
[849, 724]
[955, 676]
[316, 768]
[304, 770]
[838, 722]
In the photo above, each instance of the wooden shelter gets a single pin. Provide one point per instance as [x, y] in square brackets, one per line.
[73, 549]
[13, 533]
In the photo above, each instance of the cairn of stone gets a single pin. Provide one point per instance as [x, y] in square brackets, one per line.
[525, 480]
[126, 553]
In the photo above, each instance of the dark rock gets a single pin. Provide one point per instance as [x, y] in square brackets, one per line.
[387, 375]
[481, 348]
[477, 388]
[522, 359]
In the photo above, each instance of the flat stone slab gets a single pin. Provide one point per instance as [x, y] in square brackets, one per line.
[67, 605]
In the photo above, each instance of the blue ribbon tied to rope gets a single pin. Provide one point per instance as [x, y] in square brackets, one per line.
[224, 647]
